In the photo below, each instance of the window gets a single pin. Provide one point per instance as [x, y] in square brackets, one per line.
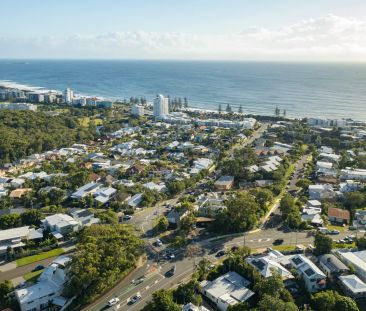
[33, 309]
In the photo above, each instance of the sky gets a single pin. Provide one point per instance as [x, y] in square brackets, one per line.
[277, 30]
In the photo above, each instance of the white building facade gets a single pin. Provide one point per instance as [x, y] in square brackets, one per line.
[161, 106]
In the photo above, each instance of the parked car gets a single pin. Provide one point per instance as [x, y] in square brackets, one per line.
[213, 250]
[220, 253]
[38, 268]
[277, 242]
[158, 243]
[170, 256]
[134, 299]
[334, 232]
[127, 217]
[113, 302]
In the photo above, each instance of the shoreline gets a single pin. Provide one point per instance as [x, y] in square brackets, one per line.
[9, 84]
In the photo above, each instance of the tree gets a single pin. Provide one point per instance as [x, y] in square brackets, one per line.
[104, 254]
[240, 110]
[6, 288]
[277, 111]
[185, 102]
[10, 221]
[228, 108]
[330, 300]
[188, 222]
[186, 293]
[323, 244]
[275, 304]
[361, 243]
[284, 112]
[263, 197]
[346, 304]
[162, 300]
[162, 224]
[32, 218]
[354, 200]
[220, 108]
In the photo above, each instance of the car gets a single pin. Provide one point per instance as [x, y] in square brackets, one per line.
[220, 253]
[158, 243]
[341, 241]
[127, 217]
[170, 256]
[277, 242]
[38, 268]
[334, 232]
[171, 271]
[113, 302]
[138, 280]
[134, 299]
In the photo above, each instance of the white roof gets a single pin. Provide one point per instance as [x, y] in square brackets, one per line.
[357, 259]
[231, 288]
[353, 283]
[60, 220]
[14, 233]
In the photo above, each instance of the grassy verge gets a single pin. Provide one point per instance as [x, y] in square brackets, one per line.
[339, 228]
[34, 258]
[32, 276]
[284, 248]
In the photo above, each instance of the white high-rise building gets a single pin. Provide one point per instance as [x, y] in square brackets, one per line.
[68, 95]
[138, 110]
[161, 106]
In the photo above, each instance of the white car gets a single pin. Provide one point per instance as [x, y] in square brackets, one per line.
[113, 302]
[158, 242]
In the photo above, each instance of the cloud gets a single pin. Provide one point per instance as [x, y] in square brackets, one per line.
[325, 38]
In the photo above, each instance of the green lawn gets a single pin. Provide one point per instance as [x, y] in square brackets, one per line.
[339, 228]
[30, 259]
[32, 276]
[284, 248]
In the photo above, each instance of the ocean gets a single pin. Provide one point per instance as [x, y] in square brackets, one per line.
[302, 89]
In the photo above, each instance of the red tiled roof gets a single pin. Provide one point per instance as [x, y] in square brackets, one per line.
[338, 213]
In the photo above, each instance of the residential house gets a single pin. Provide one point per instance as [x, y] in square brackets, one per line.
[267, 265]
[353, 174]
[355, 259]
[161, 187]
[48, 288]
[332, 266]
[313, 277]
[337, 215]
[350, 186]
[176, 215]
[360, 220]
[16, 237]
[317, 192]
[84, 217]
[227, 290]
[86, 190]
[352, 286]
[135, 200]
[224, 183]
[191, 307]
[60, 224]
[104, 195]
[19, 193]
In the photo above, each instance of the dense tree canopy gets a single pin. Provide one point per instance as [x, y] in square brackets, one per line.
[26, 132]
[104, 253]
